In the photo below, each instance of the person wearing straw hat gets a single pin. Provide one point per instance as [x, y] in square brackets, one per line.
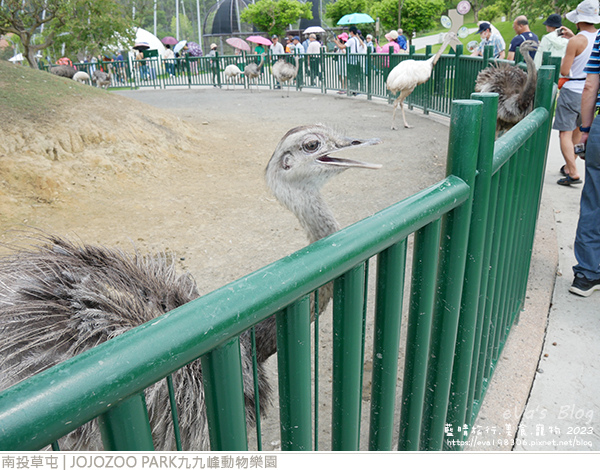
[587, 238]
[567, 117]
[555, 42]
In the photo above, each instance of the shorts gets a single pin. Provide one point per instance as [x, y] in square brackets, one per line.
[568, 111]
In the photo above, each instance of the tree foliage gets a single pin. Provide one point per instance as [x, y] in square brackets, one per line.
[334, 11]
[417, 15]
[273, 16]
[82, 25]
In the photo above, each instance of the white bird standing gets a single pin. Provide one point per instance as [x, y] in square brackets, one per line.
[232, 72]
[61, 299]
[81, 77]
[283, 71]
[409, 73]
[252, 71]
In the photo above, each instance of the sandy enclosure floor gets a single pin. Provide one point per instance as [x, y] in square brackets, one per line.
[211, 207]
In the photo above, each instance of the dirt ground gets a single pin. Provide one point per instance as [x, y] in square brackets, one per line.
[182, 171]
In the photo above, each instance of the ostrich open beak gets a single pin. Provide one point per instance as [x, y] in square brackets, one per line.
[346, 163]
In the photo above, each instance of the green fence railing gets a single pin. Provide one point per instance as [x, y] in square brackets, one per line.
[453, 77]
[473, 238]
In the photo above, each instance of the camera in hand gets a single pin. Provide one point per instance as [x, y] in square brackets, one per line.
[580, 149]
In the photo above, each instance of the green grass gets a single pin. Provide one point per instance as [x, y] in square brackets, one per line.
[505, 29]
[36, 95]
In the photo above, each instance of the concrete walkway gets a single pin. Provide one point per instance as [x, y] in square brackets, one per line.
[545, 392]
[563, 410]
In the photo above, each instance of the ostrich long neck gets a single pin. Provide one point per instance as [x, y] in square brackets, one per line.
[312, 212]
[318, 221]
[438, 54]
[525, 98]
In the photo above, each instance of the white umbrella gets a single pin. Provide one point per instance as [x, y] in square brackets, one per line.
[314, 29]
[179, 46]
[17, 58]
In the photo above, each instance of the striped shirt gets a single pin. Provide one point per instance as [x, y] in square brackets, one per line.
[593, 65]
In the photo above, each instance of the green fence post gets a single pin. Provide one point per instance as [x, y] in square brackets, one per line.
[488, 55]
[293, 366]
[425, 265]
[470, 315]
[126, 427]
[369, 72]
[428, 86]
[388, 316]
[224, 397]
[347, 359]
[463, 148]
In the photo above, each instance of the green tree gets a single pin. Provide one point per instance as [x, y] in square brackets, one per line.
[417, 15]
[79, 24]
[273, 16]
[334, 11]
[186, 28]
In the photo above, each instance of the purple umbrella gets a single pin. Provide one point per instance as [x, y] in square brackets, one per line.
[194, 49]
[169, 40]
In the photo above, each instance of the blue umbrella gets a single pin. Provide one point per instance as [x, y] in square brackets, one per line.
[356, 18]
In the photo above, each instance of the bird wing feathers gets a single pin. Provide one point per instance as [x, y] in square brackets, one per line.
[408, 74]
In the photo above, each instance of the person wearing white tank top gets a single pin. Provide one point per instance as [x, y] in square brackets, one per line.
[567, 117]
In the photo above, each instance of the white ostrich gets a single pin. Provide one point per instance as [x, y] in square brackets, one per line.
[252, 71]
[82, 77]
[409, 73]
[232, 72]
[515, 88]
[283, 71]
[61, 299]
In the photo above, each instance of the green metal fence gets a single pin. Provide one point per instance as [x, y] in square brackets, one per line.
[473, 237]
[359, 73]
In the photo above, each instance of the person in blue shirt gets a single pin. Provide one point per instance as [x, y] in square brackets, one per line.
[401, 40]
[521, 27]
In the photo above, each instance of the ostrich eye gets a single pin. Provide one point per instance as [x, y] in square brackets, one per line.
[311, 146]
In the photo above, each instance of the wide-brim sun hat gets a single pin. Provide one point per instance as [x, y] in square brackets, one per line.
[392, 35]
[586, 12]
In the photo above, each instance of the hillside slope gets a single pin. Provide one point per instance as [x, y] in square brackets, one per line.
[56, 133]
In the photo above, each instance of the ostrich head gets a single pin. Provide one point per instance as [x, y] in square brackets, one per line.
[301, 164]
[528, 46]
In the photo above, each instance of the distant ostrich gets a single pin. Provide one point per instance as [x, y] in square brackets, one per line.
[515, 88]
[102, 79]
[232, 72]
[61, 299]
[409, 73]
[283, 71]
[252, 71]
[66, 71]
[81, 77]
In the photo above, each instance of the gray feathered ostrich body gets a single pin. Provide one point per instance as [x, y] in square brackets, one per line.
[515, 88]
[252, 71]
[283, 71]
[61, 298]
[66, 71]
